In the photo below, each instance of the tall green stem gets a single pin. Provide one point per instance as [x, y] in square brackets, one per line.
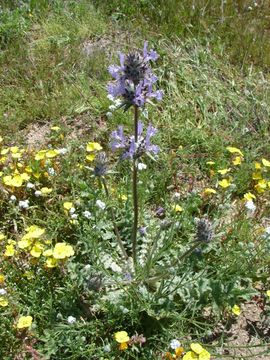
[135, 190]
[116, 231]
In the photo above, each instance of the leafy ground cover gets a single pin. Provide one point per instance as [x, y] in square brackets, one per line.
[201, 275]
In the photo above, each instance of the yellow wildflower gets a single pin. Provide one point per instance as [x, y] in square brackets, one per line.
[124, 197]
[40, 155]
[204, 355]
[51, 262]
[55, 128]
[196, 347]
[24, 322]
[257, 175]
[268, 293]
[3, 301]
[257, 165]
[209, 191]
[177, 208]
[190, 355]
[90, 157]
[51, 153]
[48, 252]
[67, 205]
[224, 171]
[2, 236]
[2, 278]
[4, 151]
[34, 232]
[62, 251]
[261, 186]
[92, 146]
[249, 196]
[45, 190]
[224, 183]
[236, 310]
[266, 163]
[123, 346]
[37, 249]
[121, 337]
[237, 160]
[210, 163]
[10, 251]
[234, 150]
[25, 243]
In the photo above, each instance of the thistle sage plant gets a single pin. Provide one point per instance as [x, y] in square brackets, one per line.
[134, 83]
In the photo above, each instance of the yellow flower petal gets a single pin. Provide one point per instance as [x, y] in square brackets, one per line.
[234, 150]
[204, 355]
[68, 205]
[196, 347]
[24, 322]
[190, 355]
[224, 171]
[121, 337]
[266, 163]
[237, 161]
[249, 196]
[51, 154]
[177, 208]
[90, 157]
[3, 301]
[92, 146]
[236, 310]
[209, 191]
[224, 183]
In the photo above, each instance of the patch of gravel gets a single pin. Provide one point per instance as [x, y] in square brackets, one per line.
[36, 135]
[246, 336]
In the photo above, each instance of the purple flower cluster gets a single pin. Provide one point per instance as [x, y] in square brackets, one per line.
[132, 149]
[134, 79]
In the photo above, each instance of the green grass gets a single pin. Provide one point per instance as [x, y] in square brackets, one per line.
[53, 71]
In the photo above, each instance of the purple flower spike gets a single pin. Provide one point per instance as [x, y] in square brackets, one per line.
[131, 149]
[134, 78]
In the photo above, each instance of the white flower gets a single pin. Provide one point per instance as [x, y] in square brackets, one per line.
[267, 230]
[62, 151]
[110, 97]
[3, 292]
[87, 267]
[109, 114]
[142, 166]
[13, 198]
[107, 348]
[24, 204]
[38, 193]
[30, 185]
[51, 171]
[71, 319]
[87, 214]
[72, 210]
[174, 344]
[115, 267]
[74, 216]
[100, 204]
[123, 309]
[250, 206]
[176, 195]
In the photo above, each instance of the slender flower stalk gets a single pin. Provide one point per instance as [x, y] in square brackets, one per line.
[135, 191]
